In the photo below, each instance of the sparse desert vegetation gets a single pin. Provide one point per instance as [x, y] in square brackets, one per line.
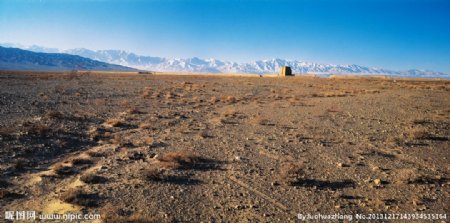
[187, 148]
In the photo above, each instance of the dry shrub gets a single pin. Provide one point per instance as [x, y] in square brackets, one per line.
[192, 87]
[20, 164]
[394, 140]
[146, 92]
[205, 135]
[405, 175]
[265, 122]
[53, 114]
[61, 169]
[418, 134]
[3, 193]
[229, 112]
[7, 194]
[156, 94]
[217, 121]
[107, 134]
[92, 178]
[183, 129]
[169, 95]
[124, 103]
[228, 99]
[277, 97]
[329, 94]
[99, 102]
[145, 126]
[118, 139]
[259, 120]
[80, 197]
[122, 152]
[95, 153]
[182, 157]
[148, 140]
[291, 172]
[113, 122]
[38, 129]
[155, 173]
[214, 100]
[7, 131]
[82, 161]
[334, 110]
[134, 110]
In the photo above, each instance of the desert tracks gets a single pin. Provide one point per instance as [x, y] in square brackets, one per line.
[49, 187]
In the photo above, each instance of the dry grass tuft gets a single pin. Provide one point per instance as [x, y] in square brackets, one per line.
[80, 197]
[63, 170]
[119, 140]
[134, 110]
[181, 158]
[155, 174]
[290, 172]
[148, 140]
[145, 126]
[228, 99]
[113, 122]
[95, 153]
[100, 102]
[418, 134]
[260, 120]
[92, 178]
[183, 129]
[329, 94]
[147, 92]
[205, 135]
[7, 131]
[124, 103]
[229, 112]
[53, 114]
[82, 161]
[38, 129]
[20, 164]
[3, 193]
[214, 100]
[169, 95]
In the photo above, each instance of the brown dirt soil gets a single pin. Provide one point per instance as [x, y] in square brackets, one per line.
[192, 148]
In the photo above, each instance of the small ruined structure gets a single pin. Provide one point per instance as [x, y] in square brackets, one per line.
[285, 71]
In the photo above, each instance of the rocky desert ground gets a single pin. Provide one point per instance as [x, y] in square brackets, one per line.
[198, 148]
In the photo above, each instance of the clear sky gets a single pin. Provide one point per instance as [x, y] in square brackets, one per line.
[393, 34]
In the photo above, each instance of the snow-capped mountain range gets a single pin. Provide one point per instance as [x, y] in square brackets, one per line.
[19, 59]
[195, 64]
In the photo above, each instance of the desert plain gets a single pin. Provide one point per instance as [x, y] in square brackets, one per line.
[204, 148]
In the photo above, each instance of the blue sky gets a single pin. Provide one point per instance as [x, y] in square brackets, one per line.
[393, 34]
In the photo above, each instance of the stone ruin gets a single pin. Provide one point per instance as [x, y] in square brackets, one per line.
[285, 71]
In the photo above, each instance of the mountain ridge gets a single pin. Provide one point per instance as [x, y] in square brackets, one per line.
[19, 59]
[212, 65]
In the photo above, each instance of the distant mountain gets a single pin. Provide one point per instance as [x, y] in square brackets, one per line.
[195, 64]
[18, 59]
